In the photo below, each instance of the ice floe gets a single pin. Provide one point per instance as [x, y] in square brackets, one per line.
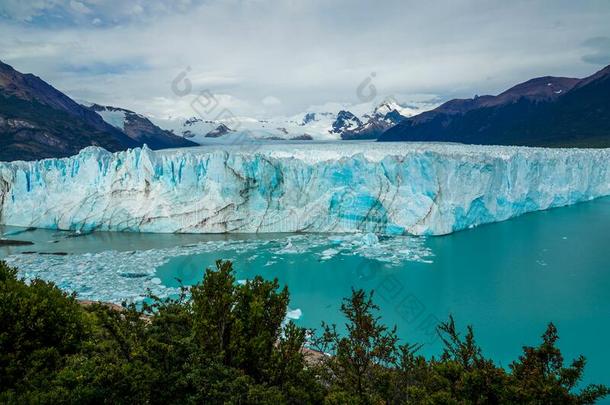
[118, 276]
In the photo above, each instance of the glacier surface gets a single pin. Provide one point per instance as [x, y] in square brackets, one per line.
[389, 188]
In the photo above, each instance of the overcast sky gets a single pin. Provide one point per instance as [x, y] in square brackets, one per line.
[268, 58]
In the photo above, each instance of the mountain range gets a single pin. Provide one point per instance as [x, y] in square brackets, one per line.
[38, 121]
[322, 123]
[139, 128]
[546, 111]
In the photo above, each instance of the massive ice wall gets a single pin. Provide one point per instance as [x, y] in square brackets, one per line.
[390, 188]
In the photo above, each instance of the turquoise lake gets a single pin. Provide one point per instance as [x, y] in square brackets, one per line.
[507, 279]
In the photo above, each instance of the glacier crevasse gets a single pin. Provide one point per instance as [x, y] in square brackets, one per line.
[420, 189]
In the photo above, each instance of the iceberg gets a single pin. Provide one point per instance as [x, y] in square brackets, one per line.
[366, 187]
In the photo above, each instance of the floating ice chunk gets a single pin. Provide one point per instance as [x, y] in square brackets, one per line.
[370, 239]
[328, 254]
[294, 314]
[290, 248]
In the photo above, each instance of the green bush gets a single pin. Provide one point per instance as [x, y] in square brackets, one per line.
[220, 342]
[41, 327]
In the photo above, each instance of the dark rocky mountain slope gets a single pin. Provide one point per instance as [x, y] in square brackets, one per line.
[140, 129]
[38, 121]
[547, 111]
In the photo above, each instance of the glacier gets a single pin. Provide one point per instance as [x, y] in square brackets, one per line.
[389, 188]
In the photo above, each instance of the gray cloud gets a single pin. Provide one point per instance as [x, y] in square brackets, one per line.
[599, 48]
[61, 13]
[297, 53]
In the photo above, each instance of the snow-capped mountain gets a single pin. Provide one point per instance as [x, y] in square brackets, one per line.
[329, 122]
[219, 131]
[38, 121]
[345, 121]
[384, 116]
[139, 128]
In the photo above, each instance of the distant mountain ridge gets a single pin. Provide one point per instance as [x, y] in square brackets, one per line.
[38, 121]
[139, 128]
[334, 124]
[546, 111]
[385, 116]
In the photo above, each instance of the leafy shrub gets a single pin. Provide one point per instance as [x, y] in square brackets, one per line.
[220, 342]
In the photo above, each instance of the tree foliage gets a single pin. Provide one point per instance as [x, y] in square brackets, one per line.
[222, 342]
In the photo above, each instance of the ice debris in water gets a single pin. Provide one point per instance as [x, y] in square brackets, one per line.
[294, 314]
[117, 276]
